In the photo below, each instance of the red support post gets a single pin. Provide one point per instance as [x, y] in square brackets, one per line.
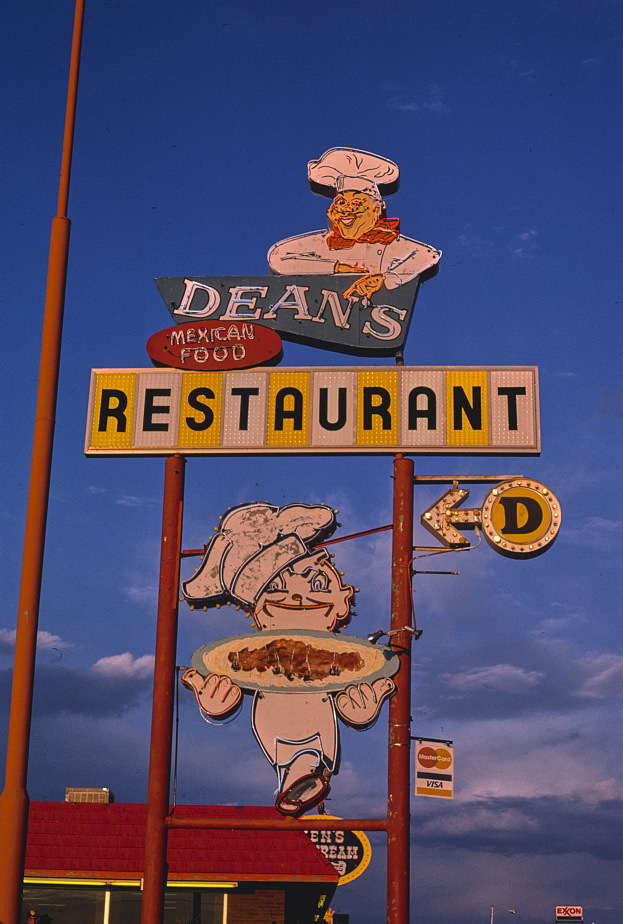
[399, 758]
[155, 866]
[14, 801]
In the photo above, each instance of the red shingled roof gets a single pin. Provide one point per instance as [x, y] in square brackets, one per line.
[93, 841]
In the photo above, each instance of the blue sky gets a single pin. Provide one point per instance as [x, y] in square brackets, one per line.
[195, 124]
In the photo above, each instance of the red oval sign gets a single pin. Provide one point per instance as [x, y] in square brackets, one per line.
[210, 345]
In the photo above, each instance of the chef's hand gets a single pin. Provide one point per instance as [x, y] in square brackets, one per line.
[217, 696]
[349, 268]
[360, 703]
[366, 286]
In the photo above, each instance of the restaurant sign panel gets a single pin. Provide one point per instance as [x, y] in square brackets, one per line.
[413, 409]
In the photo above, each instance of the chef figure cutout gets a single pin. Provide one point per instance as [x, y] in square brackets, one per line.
[299, 668]
[361, 241]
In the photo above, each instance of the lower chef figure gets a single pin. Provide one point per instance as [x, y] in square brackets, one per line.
[263, 559]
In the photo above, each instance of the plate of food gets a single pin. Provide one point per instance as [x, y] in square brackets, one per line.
[296, 661]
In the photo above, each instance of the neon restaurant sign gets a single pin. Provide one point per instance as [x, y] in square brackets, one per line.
[420, 410]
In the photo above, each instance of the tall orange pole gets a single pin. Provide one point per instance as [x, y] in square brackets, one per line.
[155, 865]
[399, 758]
[14, 799]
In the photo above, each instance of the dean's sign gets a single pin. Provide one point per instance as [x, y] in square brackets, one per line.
[349, 287]
[310, 309]
[411, 409]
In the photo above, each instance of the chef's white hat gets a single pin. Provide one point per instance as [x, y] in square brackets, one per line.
[253, 543]
[345, 168]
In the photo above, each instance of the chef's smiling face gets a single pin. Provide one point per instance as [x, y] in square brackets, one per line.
[353, 213]
[307, 595]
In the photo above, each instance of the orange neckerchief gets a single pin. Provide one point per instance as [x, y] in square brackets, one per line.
[385, 231]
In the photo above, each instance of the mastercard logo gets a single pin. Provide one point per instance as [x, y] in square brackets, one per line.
[434, 758]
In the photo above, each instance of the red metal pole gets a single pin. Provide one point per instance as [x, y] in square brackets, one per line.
[155, 867]
[14, 799]
[305, 823]
[399, 760]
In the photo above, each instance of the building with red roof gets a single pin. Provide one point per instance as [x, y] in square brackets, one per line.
[84, 863]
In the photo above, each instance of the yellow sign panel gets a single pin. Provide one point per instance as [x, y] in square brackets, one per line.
[377, 393]
[412, 409]
[113, 402]
[467, 417]
[288, 409]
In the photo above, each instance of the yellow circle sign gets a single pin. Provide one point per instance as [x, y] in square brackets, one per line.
[520, 518]
[349, 851]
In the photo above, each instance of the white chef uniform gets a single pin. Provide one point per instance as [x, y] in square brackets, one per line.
[397, 257]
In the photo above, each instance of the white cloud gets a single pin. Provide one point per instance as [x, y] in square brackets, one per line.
[146, 594]
[125, 665]
[130, 500]
[473, 242]
[603, 524]
[430, 101]
[525, 244]
[45, 640]
[606, 679]
[592, 531]
[504, 677]
[549, 755]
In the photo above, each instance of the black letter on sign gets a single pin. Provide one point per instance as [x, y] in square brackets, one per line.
[295, 414]
[244, 394]
[151, 409]
[511, 520]
[117, 411]
[511, 393]
[461, 405]
[429, 412]
[197, 405]
[323, 408]
[381, 408]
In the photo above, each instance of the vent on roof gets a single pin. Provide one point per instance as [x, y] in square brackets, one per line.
[85, 794]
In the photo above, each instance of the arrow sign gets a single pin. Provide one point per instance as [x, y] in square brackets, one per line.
[443, 518]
